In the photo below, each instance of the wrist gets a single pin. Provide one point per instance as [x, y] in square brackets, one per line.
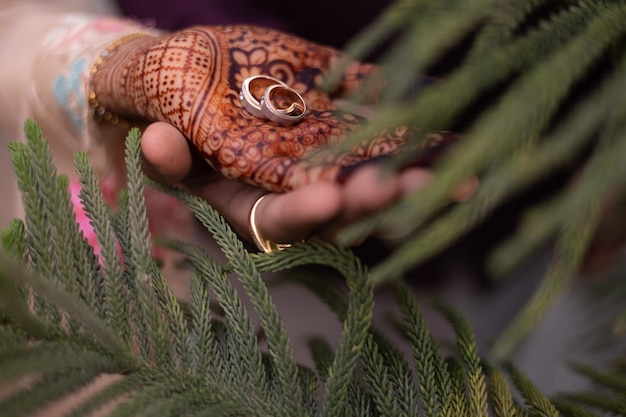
[110, 77]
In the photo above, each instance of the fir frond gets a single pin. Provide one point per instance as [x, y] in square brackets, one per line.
[310, 392]
[423, 348]
[46, 391]
[603, 172]
[459, 403]
[355, 329]
[245, 364]
[15, 307]
[539, 404]
[14, 240]
[115, 299]
[604, 402]
[392, 20]
[205, 355]
[155, 346]
[571, 408]
[445, 390]
[323, 356]
[500, 394]
[172, 393]
[614, 381]
[377, 379]
[115, 391]
[477, 391]
[243, 265]
[48, 358]
[273, 327]
[37, 229]
[435, 33]
[401, 377]
[504, 18]
[11, 303]
[69, 256]
[438, 105]
[522, 112]
[502, 183]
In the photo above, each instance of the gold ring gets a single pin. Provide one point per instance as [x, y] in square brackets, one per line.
[252, 90]
[283, 105]
[263, 244]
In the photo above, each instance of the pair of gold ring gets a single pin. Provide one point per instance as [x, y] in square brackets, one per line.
[269, 98]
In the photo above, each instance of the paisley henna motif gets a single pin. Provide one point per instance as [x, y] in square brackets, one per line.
[191, 79]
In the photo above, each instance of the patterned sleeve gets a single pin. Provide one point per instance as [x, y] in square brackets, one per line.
[59, 102]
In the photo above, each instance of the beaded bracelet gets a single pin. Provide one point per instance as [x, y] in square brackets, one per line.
[98, 112]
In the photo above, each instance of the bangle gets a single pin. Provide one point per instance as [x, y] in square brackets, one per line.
[98, 112]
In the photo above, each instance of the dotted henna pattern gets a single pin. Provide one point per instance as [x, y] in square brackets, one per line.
[192, 79]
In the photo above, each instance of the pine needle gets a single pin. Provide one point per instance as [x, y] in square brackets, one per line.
[355, 329]
[103, 335]
[245, 365]
[523, 111]
[424, 350]
[116, 299]
[48, 390]
[154, 341]
[466, 344]
[435, 33]
[14, 240]
[204, 350]
[500, 394]
[49, 358]
[603, 172]
[377, 379]
[389, 22]
[401, 376]
[539, 404]
[614, 381]
[571, 408]
[459, 403]
[323, 356]
[117, 390]
[505, 17]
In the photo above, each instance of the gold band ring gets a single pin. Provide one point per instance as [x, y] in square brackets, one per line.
[262, 243]
[252, 90]
[283, 105]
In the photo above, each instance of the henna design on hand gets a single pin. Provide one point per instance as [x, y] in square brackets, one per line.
[191, 79]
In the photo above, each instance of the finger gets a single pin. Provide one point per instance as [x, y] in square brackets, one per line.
[466, 190]
[413, 179]
[368, 189]
[297, 215]
[166, 153]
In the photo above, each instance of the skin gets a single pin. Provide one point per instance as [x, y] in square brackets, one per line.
[205, 141]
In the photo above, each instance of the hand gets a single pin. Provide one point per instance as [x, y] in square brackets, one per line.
[318, 209]
[191, 79]
[242, 146]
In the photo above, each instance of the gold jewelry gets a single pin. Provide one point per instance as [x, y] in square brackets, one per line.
[263, 244]
[283, 105]
[98, 112]
[252, 90]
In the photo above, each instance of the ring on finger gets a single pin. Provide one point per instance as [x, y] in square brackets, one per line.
[283, 105]
[252, 90]
[261, 242]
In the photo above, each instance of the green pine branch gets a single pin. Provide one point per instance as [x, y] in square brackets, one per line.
[68, 315]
